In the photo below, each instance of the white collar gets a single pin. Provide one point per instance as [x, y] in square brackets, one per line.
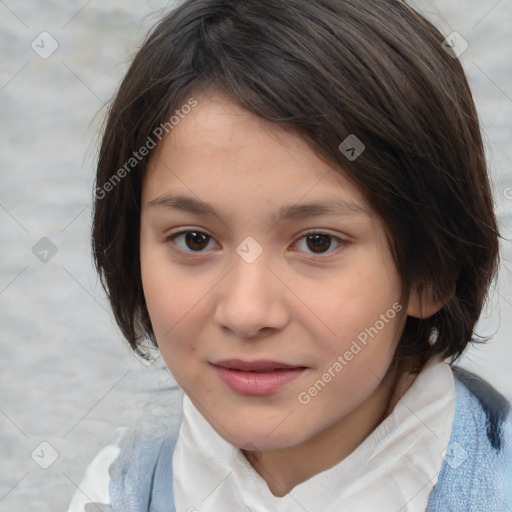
[397, 464]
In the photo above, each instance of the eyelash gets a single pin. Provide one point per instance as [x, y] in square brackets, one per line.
[341, 243]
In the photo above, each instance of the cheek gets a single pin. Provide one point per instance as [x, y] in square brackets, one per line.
[171, 312]
[168, 293]
[169, 299]
[365, 319]
[175, 299]
[355, 302]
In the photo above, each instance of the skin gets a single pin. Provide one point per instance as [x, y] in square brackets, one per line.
[292, 304]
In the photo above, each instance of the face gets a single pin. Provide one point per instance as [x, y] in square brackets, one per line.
[254, 249]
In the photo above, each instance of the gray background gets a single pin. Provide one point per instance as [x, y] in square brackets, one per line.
[66, 376]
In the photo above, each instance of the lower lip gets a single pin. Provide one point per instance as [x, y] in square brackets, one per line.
[254, 383]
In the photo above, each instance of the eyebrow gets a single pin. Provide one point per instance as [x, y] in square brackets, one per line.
[328, 207]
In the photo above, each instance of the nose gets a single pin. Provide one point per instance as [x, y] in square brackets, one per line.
[252, 300]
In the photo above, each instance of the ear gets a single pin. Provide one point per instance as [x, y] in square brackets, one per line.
[424, 302]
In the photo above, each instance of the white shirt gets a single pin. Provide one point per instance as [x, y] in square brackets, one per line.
[395, 468]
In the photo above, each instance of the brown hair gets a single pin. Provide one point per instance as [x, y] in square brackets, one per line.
[325, 69]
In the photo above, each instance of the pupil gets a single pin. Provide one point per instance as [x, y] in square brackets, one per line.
[321, 242]
[196, 241]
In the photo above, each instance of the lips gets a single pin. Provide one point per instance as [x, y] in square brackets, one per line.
[254, 366]
[256, 378]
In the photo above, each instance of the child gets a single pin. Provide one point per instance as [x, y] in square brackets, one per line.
[292, 203]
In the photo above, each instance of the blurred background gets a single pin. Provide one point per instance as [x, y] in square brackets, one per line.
[67, 378]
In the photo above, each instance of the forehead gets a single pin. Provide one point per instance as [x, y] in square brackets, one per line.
[220, 143]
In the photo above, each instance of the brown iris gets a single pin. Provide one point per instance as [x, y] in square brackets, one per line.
[196, 241]
[318, 243]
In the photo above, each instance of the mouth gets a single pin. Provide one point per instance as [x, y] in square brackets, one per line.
[256, 378]
[260, 366]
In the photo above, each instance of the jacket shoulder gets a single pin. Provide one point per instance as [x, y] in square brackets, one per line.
[141, 474]
[477, 470]
[493, 404]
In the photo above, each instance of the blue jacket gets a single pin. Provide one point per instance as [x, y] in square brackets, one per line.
[476, 475]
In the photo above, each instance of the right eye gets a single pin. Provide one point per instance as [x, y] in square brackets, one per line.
[190, 241]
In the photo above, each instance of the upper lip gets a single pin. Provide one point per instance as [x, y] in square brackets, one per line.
[262, 364]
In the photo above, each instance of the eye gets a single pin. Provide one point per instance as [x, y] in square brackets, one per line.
[197, 242]
[319, 243]
[191, 241]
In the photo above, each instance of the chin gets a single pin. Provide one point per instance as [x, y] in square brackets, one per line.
[258, 439]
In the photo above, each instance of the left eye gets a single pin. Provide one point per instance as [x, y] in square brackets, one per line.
[319, 243]
[192, 241]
